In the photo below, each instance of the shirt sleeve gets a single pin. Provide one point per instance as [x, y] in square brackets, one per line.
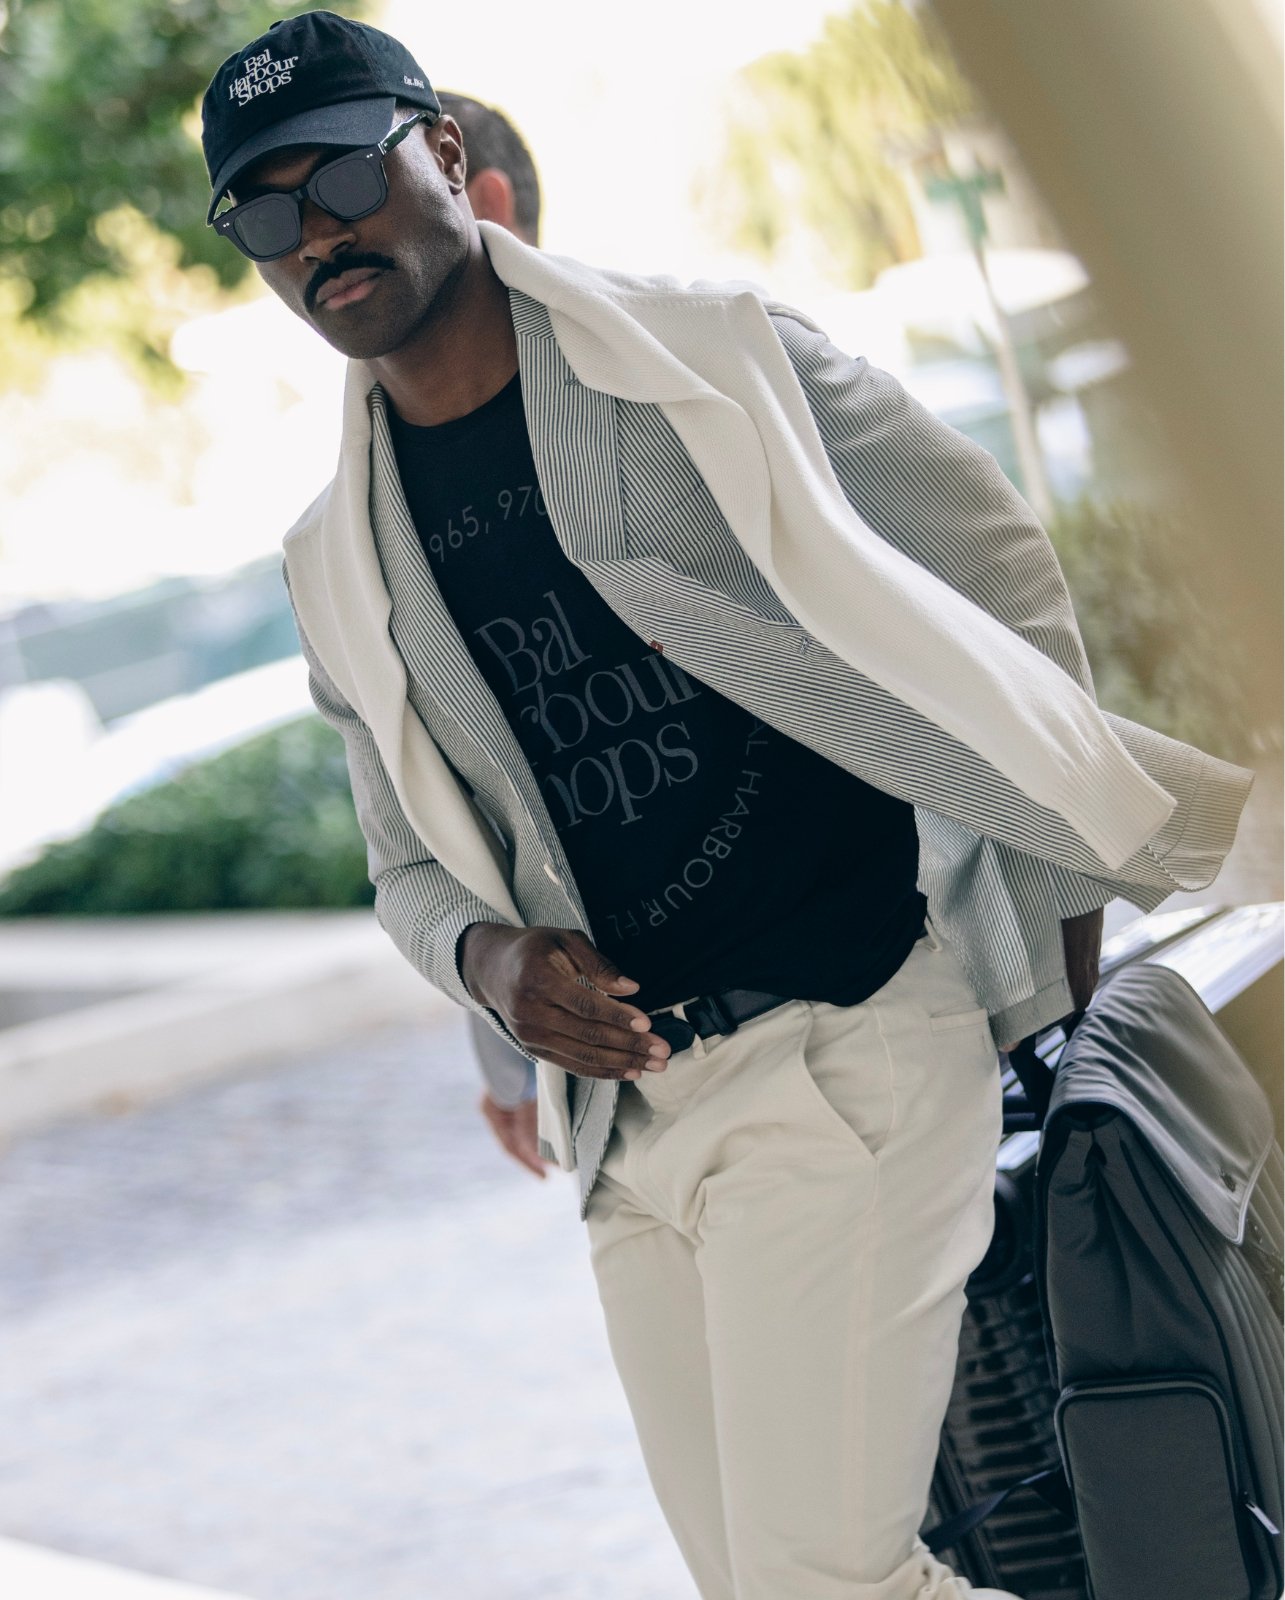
[508, 1074]
[423, 908]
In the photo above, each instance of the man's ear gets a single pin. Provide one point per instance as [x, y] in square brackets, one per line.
[447, 143]
[490, 193]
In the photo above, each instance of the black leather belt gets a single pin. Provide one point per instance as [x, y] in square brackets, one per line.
[712, 1013]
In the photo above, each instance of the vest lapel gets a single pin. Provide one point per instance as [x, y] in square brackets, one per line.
[573, 439]
[343, 601]
[446, 690]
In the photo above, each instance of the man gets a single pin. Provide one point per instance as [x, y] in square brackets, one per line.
[720, 729]
[501, 182]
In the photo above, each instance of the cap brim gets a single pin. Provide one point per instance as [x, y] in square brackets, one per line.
[348, 122]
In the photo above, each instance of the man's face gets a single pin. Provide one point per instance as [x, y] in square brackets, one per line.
[367, 286]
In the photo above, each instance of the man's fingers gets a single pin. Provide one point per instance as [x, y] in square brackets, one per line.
[555, 1004]
[602, 972]
[592, 1007]
[526, 1138]
[529, 1158]
[564, 969]
[515, 1128]
[592, 1059]
[565, 1007]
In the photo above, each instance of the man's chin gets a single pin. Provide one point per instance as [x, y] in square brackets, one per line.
[360, 339]
[368, 346]
[378, 323]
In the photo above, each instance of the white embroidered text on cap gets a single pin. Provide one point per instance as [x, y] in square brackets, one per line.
[261, 75]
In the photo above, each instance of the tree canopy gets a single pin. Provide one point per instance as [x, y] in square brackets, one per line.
[813, 137]
[101, 172]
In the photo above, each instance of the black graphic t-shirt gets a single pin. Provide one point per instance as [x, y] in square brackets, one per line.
[710, 850]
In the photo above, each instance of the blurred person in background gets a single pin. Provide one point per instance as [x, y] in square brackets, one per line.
[645, 610]
[501, 181]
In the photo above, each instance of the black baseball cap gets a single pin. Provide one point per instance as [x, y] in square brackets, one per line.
[312, 79]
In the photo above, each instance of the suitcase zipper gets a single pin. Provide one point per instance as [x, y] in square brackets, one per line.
[1257, 1511]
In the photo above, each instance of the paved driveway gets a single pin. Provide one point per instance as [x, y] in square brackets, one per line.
[307, 1336]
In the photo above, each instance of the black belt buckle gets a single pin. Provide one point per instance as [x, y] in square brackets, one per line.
[675, 1031]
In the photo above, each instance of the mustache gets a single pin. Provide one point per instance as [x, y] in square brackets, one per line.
[336, 269]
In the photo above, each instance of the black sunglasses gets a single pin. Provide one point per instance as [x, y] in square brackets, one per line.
[352, 186]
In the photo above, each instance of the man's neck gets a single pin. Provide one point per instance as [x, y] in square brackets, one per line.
[463, 353]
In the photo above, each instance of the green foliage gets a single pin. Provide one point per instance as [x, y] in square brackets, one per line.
[99, 132]
[1157, 653]
[817, 135]
[270, 824]
[267, 824]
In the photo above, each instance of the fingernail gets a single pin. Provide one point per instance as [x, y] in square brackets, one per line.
[640, 1024]
[661, 1050]
[633, 1073]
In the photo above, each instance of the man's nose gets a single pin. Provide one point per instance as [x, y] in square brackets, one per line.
[321, 235]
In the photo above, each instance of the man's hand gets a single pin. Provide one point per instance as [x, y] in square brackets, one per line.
[1082, 947]
[530, 976]
[515, 1128]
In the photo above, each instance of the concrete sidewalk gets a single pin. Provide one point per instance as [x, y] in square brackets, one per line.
[107, 1012]
[30, 1573]
[305, 1333]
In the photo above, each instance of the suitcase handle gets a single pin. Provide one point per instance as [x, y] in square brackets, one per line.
[1050, 1484]
[1033, 1073]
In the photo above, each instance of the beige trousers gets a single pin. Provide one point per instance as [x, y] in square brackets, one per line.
[780, 1233]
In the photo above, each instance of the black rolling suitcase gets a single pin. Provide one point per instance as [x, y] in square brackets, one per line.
[999, 1509]
[1114, 1430]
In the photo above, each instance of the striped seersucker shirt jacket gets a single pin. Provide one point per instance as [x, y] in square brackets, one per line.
[630, 509]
